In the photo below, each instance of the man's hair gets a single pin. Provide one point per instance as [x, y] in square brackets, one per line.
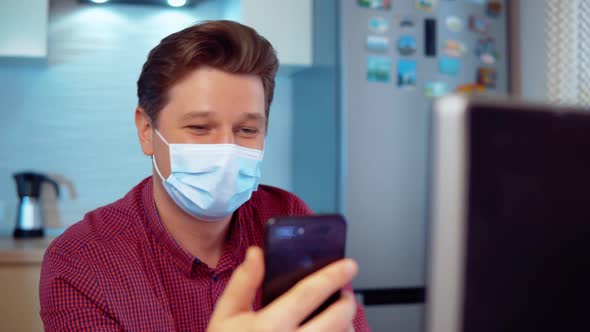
[225, 45]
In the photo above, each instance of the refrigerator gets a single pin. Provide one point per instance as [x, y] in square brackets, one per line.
[361, 118]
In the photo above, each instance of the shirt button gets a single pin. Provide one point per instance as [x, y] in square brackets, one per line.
[215, 278]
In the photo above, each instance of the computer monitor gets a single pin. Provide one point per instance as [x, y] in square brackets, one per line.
[510, 218]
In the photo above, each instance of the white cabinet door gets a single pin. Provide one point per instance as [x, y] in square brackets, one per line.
[287, 24]
[23, 28]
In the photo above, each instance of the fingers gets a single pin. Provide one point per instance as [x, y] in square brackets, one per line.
[242, 286]
[337, 317]
[309, 293]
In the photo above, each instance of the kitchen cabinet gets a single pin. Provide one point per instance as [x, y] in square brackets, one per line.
[287, 24]
[23, 28]
[20, 269]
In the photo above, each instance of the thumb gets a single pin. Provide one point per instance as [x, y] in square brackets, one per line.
[242, 286]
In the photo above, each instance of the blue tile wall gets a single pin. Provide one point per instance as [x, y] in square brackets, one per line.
[73, 113]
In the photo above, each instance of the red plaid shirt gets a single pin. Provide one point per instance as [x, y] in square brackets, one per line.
[119, 268]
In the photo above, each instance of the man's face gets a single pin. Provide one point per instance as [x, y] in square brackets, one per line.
[209, 106]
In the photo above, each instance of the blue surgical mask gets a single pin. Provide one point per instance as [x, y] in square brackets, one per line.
[211, 181]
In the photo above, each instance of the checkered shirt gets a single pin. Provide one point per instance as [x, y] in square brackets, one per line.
[120, 270]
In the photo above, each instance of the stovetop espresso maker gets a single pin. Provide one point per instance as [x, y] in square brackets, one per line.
[30, 221]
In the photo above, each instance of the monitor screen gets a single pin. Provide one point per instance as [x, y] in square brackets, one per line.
[527, 253]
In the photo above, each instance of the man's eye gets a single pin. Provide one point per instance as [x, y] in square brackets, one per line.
[199, 128]
[249, 131]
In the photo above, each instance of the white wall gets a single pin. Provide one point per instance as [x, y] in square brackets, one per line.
[532, 49]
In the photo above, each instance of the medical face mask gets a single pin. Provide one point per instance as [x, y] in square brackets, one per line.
[211, 181]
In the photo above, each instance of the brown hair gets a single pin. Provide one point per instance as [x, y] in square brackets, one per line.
[224, 45]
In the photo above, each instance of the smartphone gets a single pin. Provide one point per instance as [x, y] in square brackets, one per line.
[297, 247]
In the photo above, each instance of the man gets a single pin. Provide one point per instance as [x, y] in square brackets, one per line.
[180, 251]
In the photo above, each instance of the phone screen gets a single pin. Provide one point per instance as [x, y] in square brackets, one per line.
[297, 247]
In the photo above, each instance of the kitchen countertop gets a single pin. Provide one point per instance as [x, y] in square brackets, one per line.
[23, 251]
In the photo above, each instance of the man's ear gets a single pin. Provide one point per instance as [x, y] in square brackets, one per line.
[144, 131]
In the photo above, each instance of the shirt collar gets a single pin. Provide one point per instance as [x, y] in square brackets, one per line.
[236, 245]
[233, 253]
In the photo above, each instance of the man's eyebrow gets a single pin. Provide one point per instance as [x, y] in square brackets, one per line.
[254, 116]
[196, 114]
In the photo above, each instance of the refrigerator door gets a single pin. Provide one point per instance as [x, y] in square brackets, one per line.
[392, 60]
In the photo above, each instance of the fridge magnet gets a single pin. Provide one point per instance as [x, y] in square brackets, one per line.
[430, 43]
[375, 4]
[377, 43]
[454, 48]
[406, 73]
[485, 50]
[454, 23]
[489, 58]
[407, 22]
[406, 45]
[470, 89]
[486, 77]
[378, 68]
[479, 24]
[493, 8]
[449, 66]
[426, 5]
[435, 89]
[378, 25]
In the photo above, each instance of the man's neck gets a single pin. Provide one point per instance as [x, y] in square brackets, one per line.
[204, 240]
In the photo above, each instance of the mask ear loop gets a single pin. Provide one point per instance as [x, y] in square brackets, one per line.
[153, 156]
[157, 170]
[161, 137]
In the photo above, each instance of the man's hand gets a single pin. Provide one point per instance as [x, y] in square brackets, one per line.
[233, 311]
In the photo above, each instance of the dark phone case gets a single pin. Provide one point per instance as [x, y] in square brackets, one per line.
[291, 255]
